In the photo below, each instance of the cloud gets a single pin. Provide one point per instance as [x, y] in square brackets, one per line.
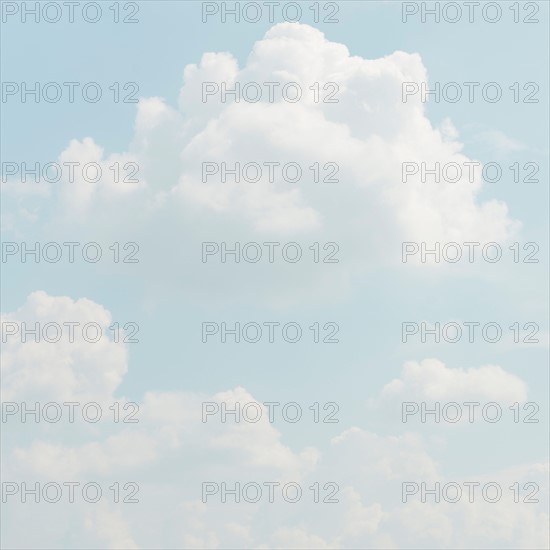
[111, 527]
[368, 133]
[499, 142]
[431, 380]
[83, 370]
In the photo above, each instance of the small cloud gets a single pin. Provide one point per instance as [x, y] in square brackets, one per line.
[499, 142]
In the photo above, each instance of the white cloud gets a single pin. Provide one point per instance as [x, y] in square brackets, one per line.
[109, 526]
[80, 370]
[499, 142]
[369, 133]
[431, 380]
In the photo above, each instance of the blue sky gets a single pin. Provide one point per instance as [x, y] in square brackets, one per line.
[369, 293]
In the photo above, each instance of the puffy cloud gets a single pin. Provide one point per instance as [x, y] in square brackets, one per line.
[171, 451]
[431, 380]
[82, 370]
[96, 177]
[369, 132]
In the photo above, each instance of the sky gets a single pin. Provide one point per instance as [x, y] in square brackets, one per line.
[349, 329]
